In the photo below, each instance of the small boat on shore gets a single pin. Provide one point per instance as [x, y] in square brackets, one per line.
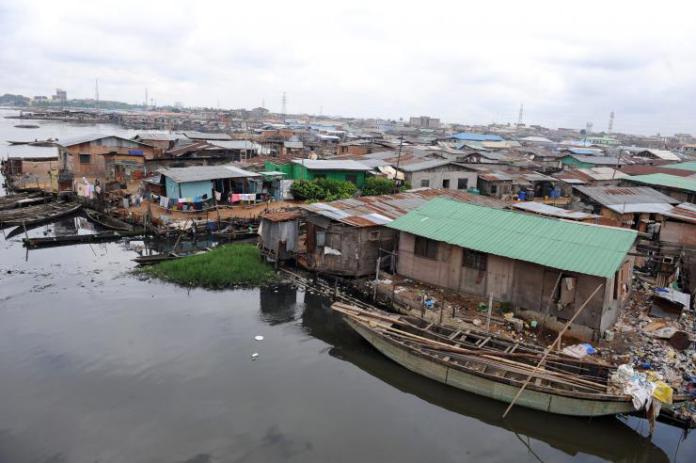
[489, 365]
[163, 257]
[27, 126]
[106, 221]
[20, 200]
[37, 214]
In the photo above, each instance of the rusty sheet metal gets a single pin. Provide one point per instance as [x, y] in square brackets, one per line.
[282, 216]
[370, 211]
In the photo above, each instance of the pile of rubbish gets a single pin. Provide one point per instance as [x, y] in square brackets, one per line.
[654, 341]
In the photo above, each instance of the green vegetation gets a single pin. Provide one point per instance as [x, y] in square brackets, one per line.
[322, 189]
[381, 186]
[224, 266]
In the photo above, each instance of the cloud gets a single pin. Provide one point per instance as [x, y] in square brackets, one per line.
[462, 62]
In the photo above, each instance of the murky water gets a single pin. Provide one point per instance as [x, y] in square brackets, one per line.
[97, 365]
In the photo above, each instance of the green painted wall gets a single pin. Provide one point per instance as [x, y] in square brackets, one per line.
[300, 172]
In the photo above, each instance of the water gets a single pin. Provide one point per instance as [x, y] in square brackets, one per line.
[97, 365]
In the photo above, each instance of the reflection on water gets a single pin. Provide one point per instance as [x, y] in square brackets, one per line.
[278, 304]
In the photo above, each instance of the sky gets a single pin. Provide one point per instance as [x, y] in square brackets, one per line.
[568, 63]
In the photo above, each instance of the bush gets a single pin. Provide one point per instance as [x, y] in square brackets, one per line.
[379, 186]
[323, 189]
[305, 189]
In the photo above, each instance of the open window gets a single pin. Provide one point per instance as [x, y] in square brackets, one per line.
[425, 247]
[474, 259]
[565, 293]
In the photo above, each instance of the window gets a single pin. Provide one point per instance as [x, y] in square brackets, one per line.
[425, 247]
[352, 178]
[85, 159]
[425, 183]
[474, 259]
[445, 183]
[462, 183]
[373, 235]
[321, 238]
[494, 189]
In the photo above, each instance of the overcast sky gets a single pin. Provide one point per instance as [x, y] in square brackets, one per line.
[470, 62]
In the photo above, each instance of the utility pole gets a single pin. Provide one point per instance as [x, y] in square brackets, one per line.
[398, 160]
[611, 122]
[284, 106]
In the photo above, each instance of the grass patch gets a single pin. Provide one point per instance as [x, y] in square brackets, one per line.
[224, 266]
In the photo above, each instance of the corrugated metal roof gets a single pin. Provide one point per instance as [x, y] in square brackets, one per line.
[690, 165]
[665, 180]
[640, 208]
[78, 140]
[194, 135]
[233, 144]
[552, 211]
[612, 195]
[329, 164]
[665, 155]
[201, 173]
[602, 173]
[368, 211]
[470, 136]
[598, 160]
[282, 216]
[423, 165]
[571, 246]
[159, 136]
[685, 212]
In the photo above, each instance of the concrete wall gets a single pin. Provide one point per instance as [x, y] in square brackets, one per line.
[436, 176]
[678, 233]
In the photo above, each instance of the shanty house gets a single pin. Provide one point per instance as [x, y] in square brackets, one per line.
[279, 234]
[203, 181]
[345, 237]
[520, 259]
[588, 161]
[109, 157]
[496, 184]
[310, 169]
[438, 173]
[630, 207]
[680, 188]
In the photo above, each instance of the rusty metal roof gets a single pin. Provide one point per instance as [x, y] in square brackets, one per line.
[282, 216]
[370, 211]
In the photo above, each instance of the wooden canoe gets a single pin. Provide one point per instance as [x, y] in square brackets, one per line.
[21, 200]
[37, 214]
[484, 364]
[107, 221]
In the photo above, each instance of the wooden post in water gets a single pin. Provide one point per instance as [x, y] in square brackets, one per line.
[490, 310]
[548, 349]
[374, 292]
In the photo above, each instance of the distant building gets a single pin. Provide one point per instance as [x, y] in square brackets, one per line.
[60, 96]
[39, 99]
[425, 122]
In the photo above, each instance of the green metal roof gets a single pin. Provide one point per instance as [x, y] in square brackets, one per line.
[572, 246]
[666, 180]
[690, 165]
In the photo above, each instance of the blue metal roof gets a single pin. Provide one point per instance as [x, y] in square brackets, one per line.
[470, 136]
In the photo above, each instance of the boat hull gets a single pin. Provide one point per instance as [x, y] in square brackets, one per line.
[551, 403]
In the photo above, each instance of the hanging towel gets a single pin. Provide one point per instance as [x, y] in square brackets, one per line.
[236, 197]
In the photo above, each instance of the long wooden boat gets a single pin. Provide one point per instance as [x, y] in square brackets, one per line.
[68, 240]
[20, 200]
[37, 214]
[483, 363]
[107, 221]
